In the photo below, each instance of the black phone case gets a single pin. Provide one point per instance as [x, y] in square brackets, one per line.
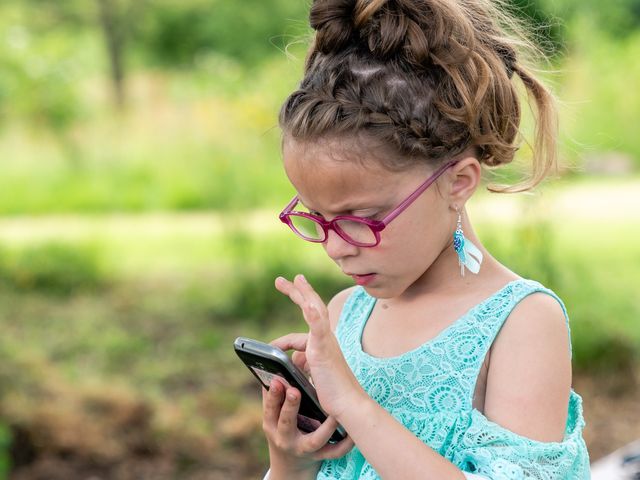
[255, 354]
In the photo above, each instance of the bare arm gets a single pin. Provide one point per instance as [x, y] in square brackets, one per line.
[529, 378]
[393, 450]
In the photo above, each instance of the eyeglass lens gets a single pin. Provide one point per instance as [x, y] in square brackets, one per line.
[356, 232]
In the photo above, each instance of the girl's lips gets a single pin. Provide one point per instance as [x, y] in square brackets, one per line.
[363, 279]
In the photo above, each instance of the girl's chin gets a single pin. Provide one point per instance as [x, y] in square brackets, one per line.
[379, 291]
[384, 289]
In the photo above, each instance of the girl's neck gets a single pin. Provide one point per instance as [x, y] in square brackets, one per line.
[443, 276]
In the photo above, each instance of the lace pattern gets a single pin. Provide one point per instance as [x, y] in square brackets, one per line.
[430, 391]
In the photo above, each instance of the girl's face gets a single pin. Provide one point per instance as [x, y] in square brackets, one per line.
[330, 181]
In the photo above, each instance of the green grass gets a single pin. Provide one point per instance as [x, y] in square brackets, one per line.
[582, 250]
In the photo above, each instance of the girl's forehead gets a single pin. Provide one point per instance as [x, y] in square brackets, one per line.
[339, 178]
[318, 161]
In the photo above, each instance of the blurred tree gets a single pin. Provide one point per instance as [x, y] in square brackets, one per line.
[114, 18]
[36, 87]
[5, 440]
[183, 33]
[112, 28]
[618, 18]
[177, 33]
[117, 21]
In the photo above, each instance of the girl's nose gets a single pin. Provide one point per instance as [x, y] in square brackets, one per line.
[337, 247]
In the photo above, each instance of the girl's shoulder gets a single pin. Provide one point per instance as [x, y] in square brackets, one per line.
[534, 311]
[530, 366]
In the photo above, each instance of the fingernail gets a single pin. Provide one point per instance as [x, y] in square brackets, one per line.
[303, 279]
[291, 397]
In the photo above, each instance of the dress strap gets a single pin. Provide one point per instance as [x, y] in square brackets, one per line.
[355, 312]
[478, 334]
[512, 296]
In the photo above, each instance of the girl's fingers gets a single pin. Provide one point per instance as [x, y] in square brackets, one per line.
[302, 294]
[317, 439]
[299, 359]
[314, 309]
[316, 319]
[299, 291]
[271, 402]
[285, 286]
[327, 428]
[295, 341]
[307, 291]
[334, 450]
[288, 421]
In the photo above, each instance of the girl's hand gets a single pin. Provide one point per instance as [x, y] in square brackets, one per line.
[294, 454]
[336, 386]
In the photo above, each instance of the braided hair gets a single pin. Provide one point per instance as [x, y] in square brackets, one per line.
[428, 78]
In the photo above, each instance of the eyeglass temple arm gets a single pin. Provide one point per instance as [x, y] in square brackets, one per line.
[289, 206]
[400, 208]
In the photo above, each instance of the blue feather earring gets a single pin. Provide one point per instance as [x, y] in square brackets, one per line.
[468, 254]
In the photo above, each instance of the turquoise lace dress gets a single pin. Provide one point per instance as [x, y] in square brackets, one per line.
[430, 390]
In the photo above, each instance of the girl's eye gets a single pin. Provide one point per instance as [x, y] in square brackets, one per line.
[371, 216]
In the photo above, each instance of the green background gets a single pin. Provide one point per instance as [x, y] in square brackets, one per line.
[140, 181]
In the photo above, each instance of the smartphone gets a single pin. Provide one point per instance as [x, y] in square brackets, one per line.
[265, 362]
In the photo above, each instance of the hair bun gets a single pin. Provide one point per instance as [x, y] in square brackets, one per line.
[419, 32]
[333, 22]
[386, 28]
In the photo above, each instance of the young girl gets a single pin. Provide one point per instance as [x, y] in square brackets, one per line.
[440, 363]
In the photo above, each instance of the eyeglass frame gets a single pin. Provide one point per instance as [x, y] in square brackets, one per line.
[376, 226]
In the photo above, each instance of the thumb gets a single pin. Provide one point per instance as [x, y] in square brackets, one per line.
[300, 360]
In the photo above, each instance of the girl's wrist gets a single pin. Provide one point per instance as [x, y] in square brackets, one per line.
[291, 468]
[284, 472]
[353, 407]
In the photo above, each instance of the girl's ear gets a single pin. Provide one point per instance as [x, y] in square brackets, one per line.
[464, 177]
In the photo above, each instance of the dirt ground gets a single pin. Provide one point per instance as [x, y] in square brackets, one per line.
[611, 411]
[611, 408]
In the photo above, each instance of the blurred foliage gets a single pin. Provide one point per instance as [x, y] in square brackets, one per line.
[184, 33]
[144, 362]
[252, 294]
[54, 268]
[618, 18]
[5, 439]
[189, 140]
[37, 85]
[599, 107]
[205, 79]
[600, 330]
[199, 111]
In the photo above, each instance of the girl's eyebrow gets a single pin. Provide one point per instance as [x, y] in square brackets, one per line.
[343, 210]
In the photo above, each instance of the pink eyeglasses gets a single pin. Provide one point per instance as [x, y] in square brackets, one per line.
[358, 231]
